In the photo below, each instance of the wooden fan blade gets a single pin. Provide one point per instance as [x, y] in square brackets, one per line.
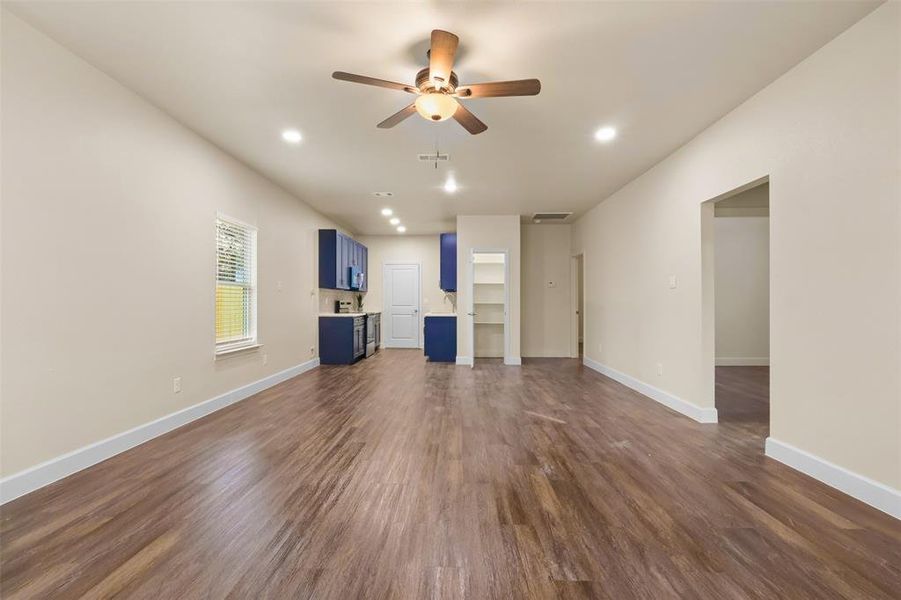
[468, 120]
[397, 117]
[521, 87]
[441, 55]
[391, 85]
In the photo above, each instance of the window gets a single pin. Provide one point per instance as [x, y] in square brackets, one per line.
[236, 285]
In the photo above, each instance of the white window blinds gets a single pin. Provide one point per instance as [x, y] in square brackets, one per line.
[236, 284]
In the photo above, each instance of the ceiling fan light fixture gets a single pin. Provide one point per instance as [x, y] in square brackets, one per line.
[436, 106]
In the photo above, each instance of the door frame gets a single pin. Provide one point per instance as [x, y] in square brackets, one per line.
[574, 332]
[386, 304]
[708, 298]
[472, 301]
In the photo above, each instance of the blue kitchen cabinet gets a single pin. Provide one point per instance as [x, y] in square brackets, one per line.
[441, 338]
[342, 339]
[338, 254]
[448, 279]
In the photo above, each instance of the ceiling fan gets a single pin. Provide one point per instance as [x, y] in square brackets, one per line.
[439, 90]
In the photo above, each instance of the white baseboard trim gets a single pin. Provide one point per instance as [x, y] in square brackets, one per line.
[878, 495]
[464, 361]
[699, 414]
[33, 478]
[729, 361]
[513, 361]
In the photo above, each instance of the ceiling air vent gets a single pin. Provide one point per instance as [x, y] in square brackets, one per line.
[550, 217]
[433, 157]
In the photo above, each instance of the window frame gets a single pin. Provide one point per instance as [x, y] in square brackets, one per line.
[252, 340]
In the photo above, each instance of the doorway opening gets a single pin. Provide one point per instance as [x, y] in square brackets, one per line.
[577, 308]
[400, 322]
[490, 327]
[740, 272]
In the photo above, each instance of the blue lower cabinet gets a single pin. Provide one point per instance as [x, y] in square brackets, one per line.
[441, 338]
[342, 340]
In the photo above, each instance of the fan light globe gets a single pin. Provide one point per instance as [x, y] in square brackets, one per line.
[436, 106]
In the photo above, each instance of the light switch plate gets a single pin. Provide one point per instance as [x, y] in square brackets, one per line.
[672, 282]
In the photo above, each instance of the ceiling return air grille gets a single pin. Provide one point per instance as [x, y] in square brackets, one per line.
[433, 157]
[550, 217]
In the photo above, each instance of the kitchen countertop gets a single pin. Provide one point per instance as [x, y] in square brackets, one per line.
[353, 314]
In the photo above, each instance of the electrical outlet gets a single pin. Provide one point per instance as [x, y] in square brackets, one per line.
[659, 369]
[600, 347]
[279, 286]
[265, 359]
[176, 385]
[312, 350]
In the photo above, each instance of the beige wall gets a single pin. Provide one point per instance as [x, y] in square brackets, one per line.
[742, 289]
[827, 136]
[108, 255]
[546, 325]
[421, 249]
[493, 232]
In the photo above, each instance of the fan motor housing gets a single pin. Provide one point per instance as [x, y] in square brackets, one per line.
[425, 84]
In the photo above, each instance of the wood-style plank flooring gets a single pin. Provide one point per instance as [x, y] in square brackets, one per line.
[396, 478]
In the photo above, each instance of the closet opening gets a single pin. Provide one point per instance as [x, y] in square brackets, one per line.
[490, 297]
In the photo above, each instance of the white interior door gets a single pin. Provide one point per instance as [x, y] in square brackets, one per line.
[402, 326]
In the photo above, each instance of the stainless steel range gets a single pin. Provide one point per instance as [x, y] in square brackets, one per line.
[373, 332]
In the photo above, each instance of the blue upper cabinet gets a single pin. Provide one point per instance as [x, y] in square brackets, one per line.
[342, 262]
[449, 262]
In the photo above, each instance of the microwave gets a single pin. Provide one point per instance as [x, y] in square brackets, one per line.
[356, 278]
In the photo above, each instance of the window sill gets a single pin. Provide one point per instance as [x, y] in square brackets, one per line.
[226, 352]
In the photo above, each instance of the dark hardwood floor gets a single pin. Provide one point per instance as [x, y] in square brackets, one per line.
[743, 396]
[395, 478]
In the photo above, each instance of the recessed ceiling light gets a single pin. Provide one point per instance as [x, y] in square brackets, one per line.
[292, 136]
[387, 212]
[395, 221]
[605, 134]
[401, 229]
[450, 186]
[382, 194]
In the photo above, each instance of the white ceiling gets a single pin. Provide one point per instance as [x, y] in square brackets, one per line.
[239, 73]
